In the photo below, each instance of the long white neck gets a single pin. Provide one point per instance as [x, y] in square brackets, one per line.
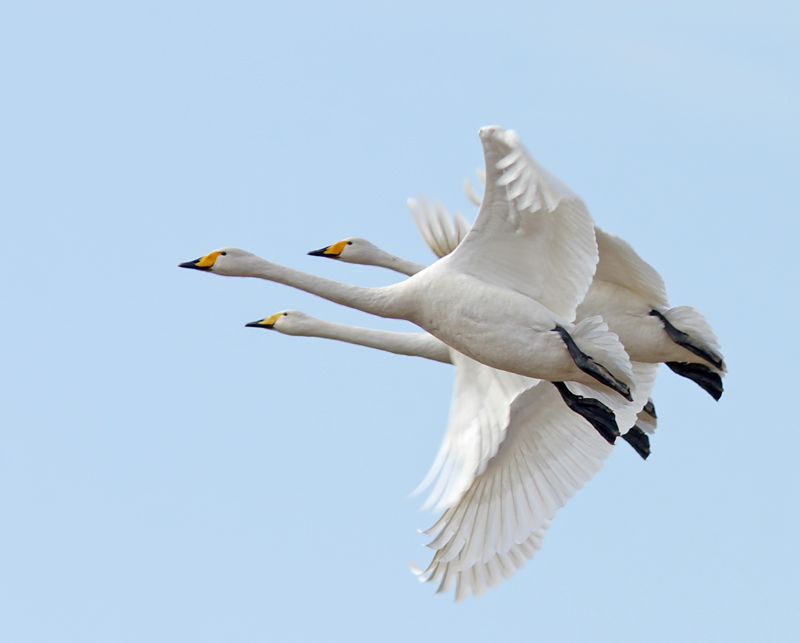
[413, 344]
[395, 263]
[384, 302]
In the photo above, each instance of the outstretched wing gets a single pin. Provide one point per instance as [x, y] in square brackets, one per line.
[533, 234]
[440, 232]
[548, 453]
[619, 264]
[481, 576]
[479, 416]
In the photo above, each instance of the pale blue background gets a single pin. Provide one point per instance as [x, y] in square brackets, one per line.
[168, 475]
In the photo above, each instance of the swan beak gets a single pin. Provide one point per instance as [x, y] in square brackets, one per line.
[203, 263]
[332, 252]
[267, 322]
[194, 265]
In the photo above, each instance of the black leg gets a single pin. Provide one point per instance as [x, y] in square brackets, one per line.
[703, 376]
[596, 413]
[682, 339]
[639, 440]
[589, 366]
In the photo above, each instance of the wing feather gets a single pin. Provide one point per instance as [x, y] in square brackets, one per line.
[548, 453]
[533, 235]
[619, 264]
[479, 415]
[441, 232]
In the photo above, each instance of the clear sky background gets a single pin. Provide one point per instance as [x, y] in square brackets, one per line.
[168, 475]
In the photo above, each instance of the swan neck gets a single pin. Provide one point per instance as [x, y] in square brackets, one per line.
[398, 264]
[412, 344]
[376, 301]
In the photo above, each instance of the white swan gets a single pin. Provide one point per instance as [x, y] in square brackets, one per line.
[627, 292]
[546, 453]
[506, 295]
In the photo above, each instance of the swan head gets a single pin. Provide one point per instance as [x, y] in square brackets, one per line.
[232, 262]
[288, 322]
[351, 250]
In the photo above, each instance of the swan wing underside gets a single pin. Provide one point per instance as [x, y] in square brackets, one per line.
[481, 576]
[547, 455]
[479, 416]
[619, 264]
[532, 234]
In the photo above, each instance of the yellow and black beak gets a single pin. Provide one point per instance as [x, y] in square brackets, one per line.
[194, 265]
[203, 263]
[267, 322]
[332, 252]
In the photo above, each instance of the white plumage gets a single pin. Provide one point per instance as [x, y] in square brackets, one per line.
[500, 305]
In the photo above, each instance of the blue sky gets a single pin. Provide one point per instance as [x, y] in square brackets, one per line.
[167, 474]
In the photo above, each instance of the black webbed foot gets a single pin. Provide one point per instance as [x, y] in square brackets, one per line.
[595, 412]
[639, 440]
[701, 375]
[591, 367]
[685, 340]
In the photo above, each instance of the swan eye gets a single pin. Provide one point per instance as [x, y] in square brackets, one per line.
[285, 314]
[223, 254]
[349, 243]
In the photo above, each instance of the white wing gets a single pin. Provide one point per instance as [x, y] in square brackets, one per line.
[619, 264]
[478, 578]
[548, 454]
[479, 416]
[533, 234]
[472, 195]
[440, 232]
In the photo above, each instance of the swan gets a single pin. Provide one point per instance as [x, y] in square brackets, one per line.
[495, 523]
[628, 293]
[506, 296]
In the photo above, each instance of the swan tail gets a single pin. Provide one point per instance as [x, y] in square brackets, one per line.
[688, 328]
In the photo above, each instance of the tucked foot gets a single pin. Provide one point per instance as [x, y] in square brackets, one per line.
[639, 440]
[596, 413]
[685, 340]
[591, 367]
[701, 375]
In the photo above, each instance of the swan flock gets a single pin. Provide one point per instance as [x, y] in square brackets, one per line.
[555, 328]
